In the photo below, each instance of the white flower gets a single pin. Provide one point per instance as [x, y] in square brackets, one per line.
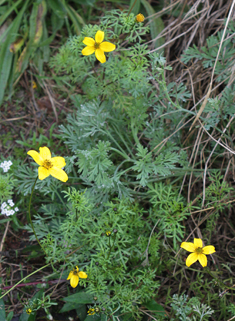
[4, 204]
[7, 209]
[10, 202]
[16, 209]
[6, 166]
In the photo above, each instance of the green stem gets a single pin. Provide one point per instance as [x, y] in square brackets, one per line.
[23, 280]
[30, 219]
[58, 195]
[123, 154]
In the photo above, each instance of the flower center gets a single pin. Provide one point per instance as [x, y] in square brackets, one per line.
[47, 164]
[199, 250]
[75, 273]
[97, 45]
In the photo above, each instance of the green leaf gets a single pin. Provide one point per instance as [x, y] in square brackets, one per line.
[75, 18]
[85, 2]
[9, 11]
[156, 25]
[5, 55]
[58, 8]
[80, 297]
[70, 306]
[10, 316]
[2, 310]
[82, 312]
[25, 317]
[155, 308]
[136, 8]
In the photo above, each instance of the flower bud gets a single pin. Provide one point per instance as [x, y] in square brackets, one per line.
[139, 17]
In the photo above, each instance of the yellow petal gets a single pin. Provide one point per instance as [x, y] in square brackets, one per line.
[43, 173]
[88, 41]
[198, 243]
[88, 51]
[202, 259]
[58, 173]
[100, 55]
[45, 152]
[82, 275]
[36, 156]
[193, 257]
[70, 275]
[209, 249]
[99, 37]
[188, 246]
[74, 281]
[58, 162]
[107, 46]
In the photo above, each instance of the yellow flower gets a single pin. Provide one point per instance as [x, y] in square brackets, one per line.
[108, 233]
[74, 277]
[34, 85]
[28, 311]
[198, 252]
[48, 165]
[139, 17]
[97, 46]
[91, 311]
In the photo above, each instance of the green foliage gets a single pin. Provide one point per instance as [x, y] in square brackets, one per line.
[25, 38]
[170, 209]
[3, 313]
[7, 184]
[192, 309]
[208, 54]
[220, 109]
[122, 214]
[80, 236]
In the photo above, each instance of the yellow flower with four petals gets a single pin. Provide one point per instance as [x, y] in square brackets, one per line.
[97, 46]
[49, 165]
[198, 252]
[74, 277]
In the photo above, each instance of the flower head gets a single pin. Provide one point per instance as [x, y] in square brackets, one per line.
[91, 311]
[139, 17]
[28, 311]
[97, 46]
[108, 233]
[49, 165]
[6, 166]
[74, 277]
[198, 252]
[8, 209]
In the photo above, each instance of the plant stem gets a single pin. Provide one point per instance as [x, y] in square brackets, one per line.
[131, 8]
[23, 280]
[30, 220]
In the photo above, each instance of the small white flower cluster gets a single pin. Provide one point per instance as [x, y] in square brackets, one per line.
[6, 166]
[7, 208]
